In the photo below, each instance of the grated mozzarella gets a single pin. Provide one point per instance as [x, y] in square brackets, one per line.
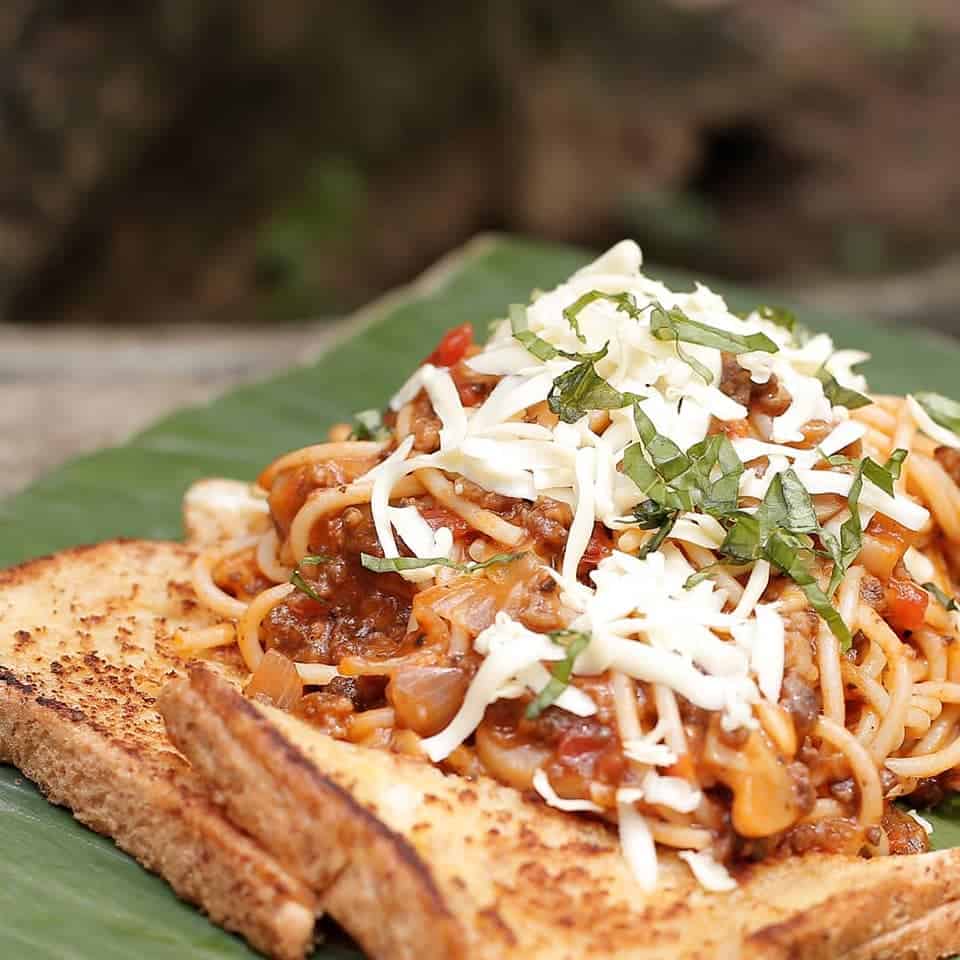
[445, 398]
[582, 527]
[753, 591]
[639, 850]
[918, 566]
[673, 792]
[926, 824]
[508, 649]
[573, 700]
[926, 425]
[385, 476]
[642, 750]
[710, 874]
[541, 784]
[422, 540]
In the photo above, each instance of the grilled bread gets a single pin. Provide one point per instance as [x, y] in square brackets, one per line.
[85, 647]
[415, 863]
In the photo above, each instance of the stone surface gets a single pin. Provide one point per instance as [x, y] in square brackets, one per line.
[68, 390]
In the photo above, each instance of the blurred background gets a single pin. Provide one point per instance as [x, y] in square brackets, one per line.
[174, 169]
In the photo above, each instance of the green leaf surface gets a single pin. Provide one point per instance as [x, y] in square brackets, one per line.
[66, 893]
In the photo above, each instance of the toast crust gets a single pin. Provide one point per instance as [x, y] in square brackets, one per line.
[522, 880]
[83, 653]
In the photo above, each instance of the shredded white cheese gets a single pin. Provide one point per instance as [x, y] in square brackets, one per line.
[710, 874]
[926, 824]
[541, 784]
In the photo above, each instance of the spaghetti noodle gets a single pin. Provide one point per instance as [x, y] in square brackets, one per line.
[645, 556]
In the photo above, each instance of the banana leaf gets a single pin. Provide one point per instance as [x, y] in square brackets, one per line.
[69, 894]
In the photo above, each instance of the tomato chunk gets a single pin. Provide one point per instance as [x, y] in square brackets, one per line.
[438, 517]
[906, 604]
[600, 546]
[452, 346]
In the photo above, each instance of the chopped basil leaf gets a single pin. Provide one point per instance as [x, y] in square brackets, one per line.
[667, 457]
[315, 558]
[704, 573]
[787, 505]
[368, 425]
[654, 543]
[624, 302]
[894, 464]
[837, 459]
[575, 642]
[397, 564]
[720, 497]
[779, 533]
[945, 601]
[582, 389]
[884, 476]
[941, 410]
[847, 549]
[683, 481]
[521, 332]
[651, 483]
[650, 514]
[674, 324]
[742, 542]
[782, 550]
[840, 396]
[297, 579]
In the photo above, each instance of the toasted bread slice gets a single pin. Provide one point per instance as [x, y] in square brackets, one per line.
[84, 651]
[416, 863]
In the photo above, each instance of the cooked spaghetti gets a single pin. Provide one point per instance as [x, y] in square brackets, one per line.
[658, 563]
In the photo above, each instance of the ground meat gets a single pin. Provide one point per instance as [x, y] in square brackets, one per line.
[735, 380]
[354, 612]
[358, 623]
[425, 425]
[831, 835]
[844, 790]
[904, 833]
[239, 575]
[292, 487]
[548, 522]
[771, 398]
[801, 701]
[364, 693]
[330, 712]
[928, 792]
[804, 793]
[873, 594]
[949, 459]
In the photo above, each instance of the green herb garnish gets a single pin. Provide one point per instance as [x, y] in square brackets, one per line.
[623, 301]
[941, 410]
[674, 324]
[779, 532]
[398, 564]
[840, 396]
[368, 425]
[575, 643]
[944, 599]
[297, 579]
[675, 480]
[581, 389]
